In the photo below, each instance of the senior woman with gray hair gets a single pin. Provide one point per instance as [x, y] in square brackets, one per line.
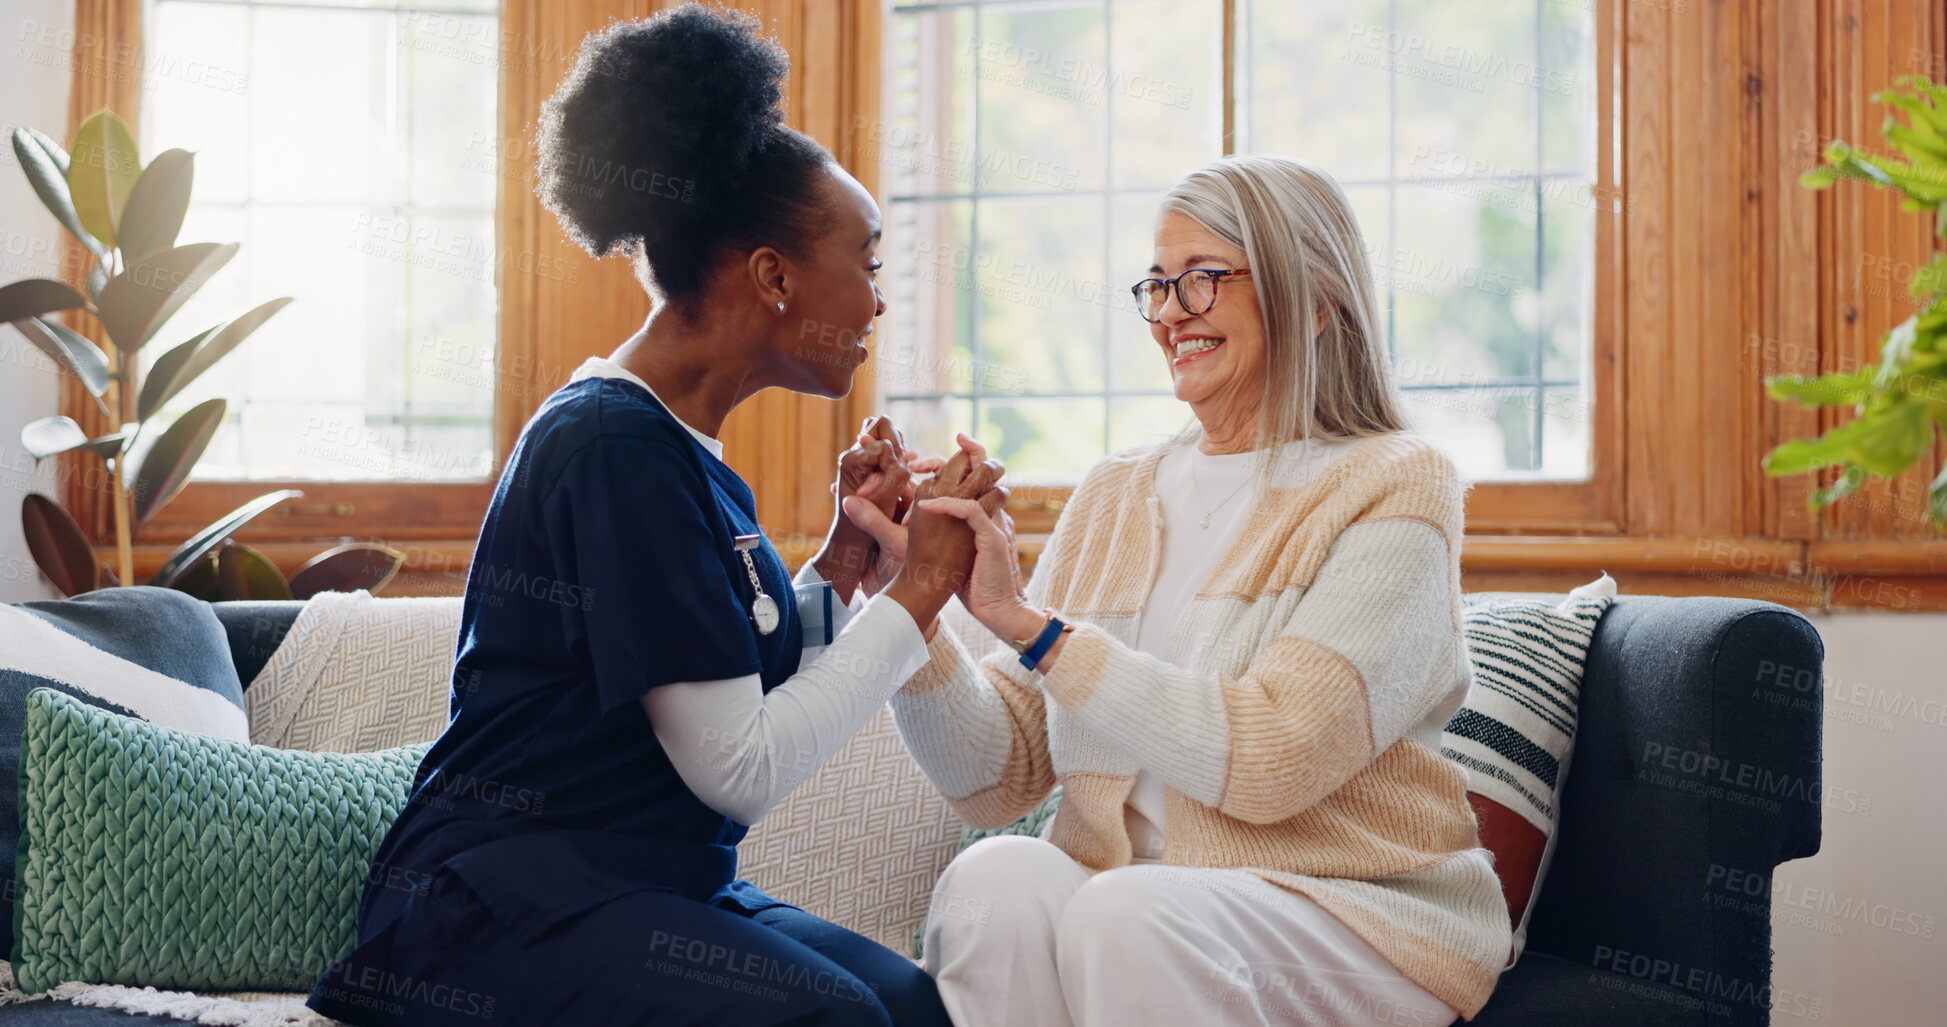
[1235, 658]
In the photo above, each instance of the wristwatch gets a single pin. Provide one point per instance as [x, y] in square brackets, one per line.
[1033, 649]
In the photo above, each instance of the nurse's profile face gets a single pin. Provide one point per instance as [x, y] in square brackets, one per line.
[835, 294]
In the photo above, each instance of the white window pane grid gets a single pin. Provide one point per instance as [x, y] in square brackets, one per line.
[352, 155]
[1464, 135]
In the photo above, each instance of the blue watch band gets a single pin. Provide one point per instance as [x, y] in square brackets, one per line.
[1042, 643]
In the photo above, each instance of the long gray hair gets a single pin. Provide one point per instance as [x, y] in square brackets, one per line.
[1305, 253]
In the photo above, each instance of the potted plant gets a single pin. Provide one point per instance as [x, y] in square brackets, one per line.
[1901, 401]
[127, 215]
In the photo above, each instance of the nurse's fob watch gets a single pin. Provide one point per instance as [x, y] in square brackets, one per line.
[763, 609]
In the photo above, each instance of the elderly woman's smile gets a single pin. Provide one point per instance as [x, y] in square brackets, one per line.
[1203, 314]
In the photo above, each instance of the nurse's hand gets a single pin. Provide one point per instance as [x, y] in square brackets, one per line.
[878, 470]
[939, 548]
[993, 591]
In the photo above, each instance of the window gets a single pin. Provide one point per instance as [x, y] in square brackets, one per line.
[350, 151]
[1026, 146]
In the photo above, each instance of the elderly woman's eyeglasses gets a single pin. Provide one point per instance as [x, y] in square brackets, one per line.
[1196, 291]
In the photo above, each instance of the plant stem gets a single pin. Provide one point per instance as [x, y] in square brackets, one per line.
[124, 548]
[124, 538]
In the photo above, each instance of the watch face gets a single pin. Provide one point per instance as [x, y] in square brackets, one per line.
[764, 612]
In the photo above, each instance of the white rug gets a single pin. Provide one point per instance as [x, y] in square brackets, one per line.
[239, 1009]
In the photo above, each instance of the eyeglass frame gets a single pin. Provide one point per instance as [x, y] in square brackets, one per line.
[1217, 275]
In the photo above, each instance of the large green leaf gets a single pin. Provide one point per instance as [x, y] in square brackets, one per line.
[136, 302]
[194, 553]
[1845, 388]
[70, 349]
[166, 467]
[102, 169]
[59, 547]
[245, 573]
[184, 364]
[52, 436]
[1845, 485]
[156, 205]
[32, 297]
[199, 580]
[1801, 455]
[158, 386]
[1931, 278]
[347, 568]
[1900, 435]
[46, 165]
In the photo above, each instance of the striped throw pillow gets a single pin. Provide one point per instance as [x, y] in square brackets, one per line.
[1515, 732]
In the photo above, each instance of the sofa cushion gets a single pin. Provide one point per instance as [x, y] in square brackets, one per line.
[156, 857]
[356, 674]
[152, 653]
[1516, 730]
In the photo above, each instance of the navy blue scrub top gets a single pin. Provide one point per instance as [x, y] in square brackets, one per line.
[605, 568]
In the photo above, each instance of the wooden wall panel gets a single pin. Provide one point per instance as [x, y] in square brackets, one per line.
[1784, 337]
[1649, 255]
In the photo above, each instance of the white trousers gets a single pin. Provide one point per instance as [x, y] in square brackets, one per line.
[1020, 935]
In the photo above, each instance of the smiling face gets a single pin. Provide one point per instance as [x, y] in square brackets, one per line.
[1216, 358]
[833, 293]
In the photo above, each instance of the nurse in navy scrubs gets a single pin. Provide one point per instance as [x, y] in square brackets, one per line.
[638, 678]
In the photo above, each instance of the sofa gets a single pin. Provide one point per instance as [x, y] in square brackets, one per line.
[1696, 771]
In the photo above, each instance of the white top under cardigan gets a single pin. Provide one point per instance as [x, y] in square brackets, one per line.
[742, 750]
[1192, 484]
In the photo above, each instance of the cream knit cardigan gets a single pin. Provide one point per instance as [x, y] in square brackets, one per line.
[1296, 722]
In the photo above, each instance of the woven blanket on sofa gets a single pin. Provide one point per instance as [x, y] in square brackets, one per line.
[861, 842]
[357, 674]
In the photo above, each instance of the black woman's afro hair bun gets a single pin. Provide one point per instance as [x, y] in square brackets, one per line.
[668, 138]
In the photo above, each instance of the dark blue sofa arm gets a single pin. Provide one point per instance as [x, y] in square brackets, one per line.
[1695, 773]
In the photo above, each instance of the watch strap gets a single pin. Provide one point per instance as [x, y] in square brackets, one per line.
[1045, 641]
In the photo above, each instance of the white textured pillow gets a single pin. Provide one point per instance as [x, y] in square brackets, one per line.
[358, 674]
[1516, 731]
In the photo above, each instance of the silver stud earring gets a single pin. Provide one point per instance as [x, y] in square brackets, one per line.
[780, 306]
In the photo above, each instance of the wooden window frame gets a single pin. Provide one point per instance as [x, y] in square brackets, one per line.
[1716, 270]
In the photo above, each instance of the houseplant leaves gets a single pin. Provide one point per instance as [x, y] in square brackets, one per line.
[245, 573]
[156, 205]
[33, 297]
[52, 436]
[70, 349]
[347, 568]
[174, 370]
[166, 467]
[1900, 401]
[102, 169]
[184, 562]
[59, 547]
[136, 302]
[46, 165]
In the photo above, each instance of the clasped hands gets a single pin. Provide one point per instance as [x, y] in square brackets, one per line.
[924, 529]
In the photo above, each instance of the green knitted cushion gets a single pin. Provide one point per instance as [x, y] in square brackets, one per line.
[150, 856]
